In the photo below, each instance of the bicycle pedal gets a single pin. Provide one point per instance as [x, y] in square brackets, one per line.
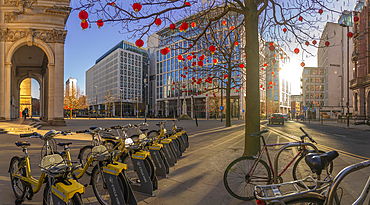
[18, 201]
[85, 185]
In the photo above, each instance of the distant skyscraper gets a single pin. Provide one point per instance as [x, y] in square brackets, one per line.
[71, 87]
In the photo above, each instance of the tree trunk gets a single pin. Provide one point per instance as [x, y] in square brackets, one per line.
[252, 107]
[228, 107]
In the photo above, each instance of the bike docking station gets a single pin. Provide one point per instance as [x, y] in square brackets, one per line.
[146, 185]
[168, 152]
[181, 143]
[111, 172]
[160, 162]
[183, 137]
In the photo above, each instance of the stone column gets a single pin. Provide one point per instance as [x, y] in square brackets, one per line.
[51, 93]
[8, 83]
[2, 82]
[58, 118]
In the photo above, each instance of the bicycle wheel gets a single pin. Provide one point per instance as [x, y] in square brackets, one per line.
[109, 144]
[305, 201]
[47, 198]
[18, 185]
[83, 155]
[301, 170]
[152, 134]
[238, 180]
[131, 174]
[100, 188]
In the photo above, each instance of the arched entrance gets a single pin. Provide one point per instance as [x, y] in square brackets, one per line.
[29, 62]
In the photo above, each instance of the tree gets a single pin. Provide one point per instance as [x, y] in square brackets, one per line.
[109, 100]
[74, 99]
[270, 19]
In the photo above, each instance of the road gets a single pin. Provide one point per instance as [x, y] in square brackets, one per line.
[198, 177]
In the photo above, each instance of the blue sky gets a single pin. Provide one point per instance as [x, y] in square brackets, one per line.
[82, 48]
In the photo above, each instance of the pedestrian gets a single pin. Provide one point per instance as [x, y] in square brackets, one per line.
[25, 113]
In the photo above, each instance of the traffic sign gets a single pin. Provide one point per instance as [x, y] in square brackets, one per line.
[221, 107]
[294, 110]
[304, 108]
[243, 110]
[314, 109]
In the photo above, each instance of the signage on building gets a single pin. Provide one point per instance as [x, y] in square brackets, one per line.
[304, 108]
[335, 65]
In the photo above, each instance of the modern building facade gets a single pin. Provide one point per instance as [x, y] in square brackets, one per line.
[313, 87]
[117, 80]
[71, 87]
[296, 106]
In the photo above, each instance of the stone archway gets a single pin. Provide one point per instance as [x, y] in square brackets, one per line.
[32, 45]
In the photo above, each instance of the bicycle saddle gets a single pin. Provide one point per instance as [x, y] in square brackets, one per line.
[318, 162]
[22, 143]
[143, 130]
[64, 143]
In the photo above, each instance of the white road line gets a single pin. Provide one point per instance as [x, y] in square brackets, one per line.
[339, 135]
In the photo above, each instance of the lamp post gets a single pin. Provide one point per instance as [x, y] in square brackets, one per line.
[346, 21]
[121, 102]
[96, 102]
[145, 103]
[137, 105]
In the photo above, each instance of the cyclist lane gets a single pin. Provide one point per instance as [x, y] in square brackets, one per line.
[352, 145]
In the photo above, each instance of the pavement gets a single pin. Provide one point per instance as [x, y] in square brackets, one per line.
[334, 123]
[198, 177]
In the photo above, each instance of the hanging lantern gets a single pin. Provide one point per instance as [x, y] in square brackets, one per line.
[272, 47]
[303, 64]
[285, 30]
[215, 61]
[184, 26]
[270, 83]
[265, 64]
[164, 51]
[321, 11]
[212, 49]
[274, 84]
[224, 23]
[300, 18]
[189, 57]
[275, 56]
[180, 28]
[183, 86]
[190, 45]
[187, 4]
[139, 43]
[137, 7]
[226, 76]
[158, 22]
[350, 34]
[84, 25]
[173, 88]
[83, 15]
[307, 43]
[314, 42]
[172, 26]
[112, 4]
[236, 43]
[261, 86]
[233, 88]
[262, 68]
[356, 19]
[173, 83]
[241, 66]
[272, 72]
[179, 57]
[282, 57]
[193, 25]
[327, 43]
[193, 64]
[100, 23]
[200, 63]
[185, 68]
[296, 50]
[202, 57]
[232, 28]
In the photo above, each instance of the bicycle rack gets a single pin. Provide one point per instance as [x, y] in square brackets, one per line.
[111, 171]
[146, 185]
[161, 164]
[168, 153]
[295, 144]
[177, 137]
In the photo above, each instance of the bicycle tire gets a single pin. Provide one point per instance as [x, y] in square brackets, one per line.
[131, 174]
[99, 186]
[18, 185]
[83, 155]
[305, 201]
[301, 170]
[152, 134]
[75, 200]
[236, 176]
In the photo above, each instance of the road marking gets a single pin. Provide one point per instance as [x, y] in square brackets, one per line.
[339, 135]
[215, 130]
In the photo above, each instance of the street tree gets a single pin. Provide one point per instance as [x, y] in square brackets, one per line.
[74, 99]
[109, 100]
[290, 23]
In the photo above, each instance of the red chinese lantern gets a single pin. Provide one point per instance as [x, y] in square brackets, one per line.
[300, 18]
[83, 15]
[112, 4]
[179, 57]
[274, 84]
[186, 73]
[190, 45]
[202, 57]
[173, 83]
[100, 23]
[173, 88]
[164, 51]
[215, 61]
[296, 50]
[212, 49]
[232, 28]
[184, 26]
[265, 64]
[314, 42]
[350, 34]
[327, 43]
[285, 30]
[272, 47]
[307, 43]
[241, 66]
[303, 64]
[193, 25]
[272, 72]
[233, 88]
[172, 26]
[180, 28]
[137, 7]
[261, 86]
[187, 4]
[200, 63]
[320, 11]
[183, 86]
[139, 43]
[196, 94]
[226, 76]
[270, 83]
[189, 57]
[193, 64]
[356, 19]
[224, 23]
[84, 25]
[236, 43]
[158, 22]
[282, 57]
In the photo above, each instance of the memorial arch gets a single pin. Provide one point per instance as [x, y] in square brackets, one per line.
[32, 46]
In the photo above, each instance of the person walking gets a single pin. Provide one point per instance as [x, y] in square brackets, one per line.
[25, 113]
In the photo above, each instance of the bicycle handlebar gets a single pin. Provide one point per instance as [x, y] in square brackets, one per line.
[28, 134]
[83, 131]
[308, 136]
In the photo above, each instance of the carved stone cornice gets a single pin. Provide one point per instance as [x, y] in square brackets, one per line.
[10, 17]
[21, 4]
[49, 36]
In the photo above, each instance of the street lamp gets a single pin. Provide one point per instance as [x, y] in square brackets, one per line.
[146, 99]
[121, 101]
[346, 21]
[137, 105]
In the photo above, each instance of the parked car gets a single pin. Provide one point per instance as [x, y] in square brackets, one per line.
[276, 118]
[285, 117]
